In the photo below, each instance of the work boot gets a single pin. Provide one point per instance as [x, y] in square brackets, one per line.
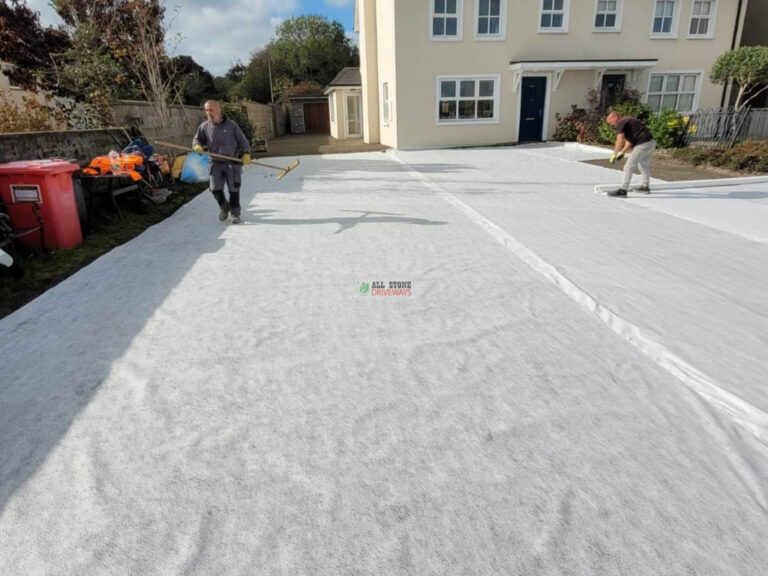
[223, 205]
[234, 206]
[620, 192]
[644, 189]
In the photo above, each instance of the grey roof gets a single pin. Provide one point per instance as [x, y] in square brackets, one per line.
[349, 76]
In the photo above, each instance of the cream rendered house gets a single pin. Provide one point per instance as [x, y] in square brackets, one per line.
[440, 73]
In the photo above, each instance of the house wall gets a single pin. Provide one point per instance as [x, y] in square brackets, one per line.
[418, 62]
[388, 59]
[365, 13]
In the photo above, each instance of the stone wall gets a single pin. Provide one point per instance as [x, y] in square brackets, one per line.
[80, 145]
[261, 117]
[142, 115]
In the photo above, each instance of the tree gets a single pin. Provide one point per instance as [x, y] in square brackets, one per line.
[118, 49]
[32, 51]
[311, 49]
[748, 67]
[195, 82]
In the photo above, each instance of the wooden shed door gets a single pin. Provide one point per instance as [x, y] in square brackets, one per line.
[316, 118]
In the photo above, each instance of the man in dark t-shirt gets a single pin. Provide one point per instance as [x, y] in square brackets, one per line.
[632, 134]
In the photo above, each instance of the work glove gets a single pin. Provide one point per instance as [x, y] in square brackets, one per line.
[246, 159]
[615, 157]
[198, 149]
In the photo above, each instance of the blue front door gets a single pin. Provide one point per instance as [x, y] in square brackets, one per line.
[533, 93]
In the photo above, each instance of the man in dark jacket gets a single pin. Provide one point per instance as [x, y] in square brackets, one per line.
[632, 134]
[223, 136]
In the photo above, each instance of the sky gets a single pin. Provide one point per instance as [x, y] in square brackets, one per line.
[216, 33]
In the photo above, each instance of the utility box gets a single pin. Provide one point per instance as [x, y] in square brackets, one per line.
[44, 187]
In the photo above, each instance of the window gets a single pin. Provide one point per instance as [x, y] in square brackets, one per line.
[607, 15]
[491, 19]
[385, 115]
[702, 13]
[332, 108]
[554, 16]
[446, 19]
[674, 91]
[664, 17]
[468, 99]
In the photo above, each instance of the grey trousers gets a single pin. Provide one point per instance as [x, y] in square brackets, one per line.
[231, 175]
[639, 158]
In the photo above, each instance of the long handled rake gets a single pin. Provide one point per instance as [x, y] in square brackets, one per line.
[282, 170]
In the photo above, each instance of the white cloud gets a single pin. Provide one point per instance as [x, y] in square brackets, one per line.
[339, 3]
[214, 34]
[216, 37]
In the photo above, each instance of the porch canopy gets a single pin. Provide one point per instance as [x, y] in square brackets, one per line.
[560, 66]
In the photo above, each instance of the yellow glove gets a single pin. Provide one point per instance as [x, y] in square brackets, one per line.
[246, 159]
[198, 149]
[615, 157]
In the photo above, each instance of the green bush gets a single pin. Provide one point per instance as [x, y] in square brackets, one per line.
[668, 128]
[236, 113]
[634, 108]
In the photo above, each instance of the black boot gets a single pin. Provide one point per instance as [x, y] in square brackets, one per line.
[223, 206]
[620, 192]
[234, 206]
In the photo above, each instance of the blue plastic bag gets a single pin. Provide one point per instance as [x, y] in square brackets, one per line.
[196, 168]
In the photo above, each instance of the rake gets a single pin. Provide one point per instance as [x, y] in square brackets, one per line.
[282, 170]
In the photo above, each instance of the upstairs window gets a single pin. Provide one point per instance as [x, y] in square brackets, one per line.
[554, 16]
[467, 99]
[490, 18]
[607, 15]
[673, 91]
[446, 19]
[664, 17]
[702, 13]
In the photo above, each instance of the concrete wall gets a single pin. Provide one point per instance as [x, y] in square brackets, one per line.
[262, 119]
[142, 115]
[80, 145]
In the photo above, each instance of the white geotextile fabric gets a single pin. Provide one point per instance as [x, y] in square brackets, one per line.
[577, 384]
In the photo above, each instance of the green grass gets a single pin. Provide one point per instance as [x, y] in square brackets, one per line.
[39, 272]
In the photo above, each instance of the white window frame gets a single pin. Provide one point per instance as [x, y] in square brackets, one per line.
[332, 107]
[502, 35]
[566, 18]
[496, 78]
[386, 108]
[696, 92]
[711, 26]
[459, 22]
[604, 29]
[673, 25]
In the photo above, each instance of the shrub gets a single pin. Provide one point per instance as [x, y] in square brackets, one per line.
[567, 126]
[748, 156]
[751, 156]
[668, 128]
[634, 108]
[236, 113]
